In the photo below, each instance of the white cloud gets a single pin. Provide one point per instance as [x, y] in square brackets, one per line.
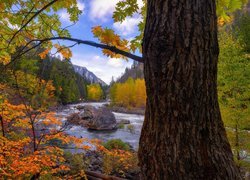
[103, 67]
[102, 9]
[80, 5]
[128, 26]
[64, 16]
[116, 63]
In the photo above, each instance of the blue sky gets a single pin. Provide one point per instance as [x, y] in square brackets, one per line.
[99, 12]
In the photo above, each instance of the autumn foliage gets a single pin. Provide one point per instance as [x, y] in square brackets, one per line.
[32, 142]
[117, 157]
[95, 92]
[26, 140]
[132, 93]
[119, 162]
[108, 36]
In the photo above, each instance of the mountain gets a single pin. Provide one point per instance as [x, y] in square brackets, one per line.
[136, 71]
[88, 75]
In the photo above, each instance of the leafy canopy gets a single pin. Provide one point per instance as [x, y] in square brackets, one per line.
[24, 22]
[27, 20]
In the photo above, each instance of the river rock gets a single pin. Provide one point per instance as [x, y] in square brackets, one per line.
[88, 112]
[95, 160]
[79, 107]
[74, 119]
[98, 119]
[94, 118]
[124, 121]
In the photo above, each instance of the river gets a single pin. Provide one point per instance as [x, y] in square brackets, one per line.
[129, 133]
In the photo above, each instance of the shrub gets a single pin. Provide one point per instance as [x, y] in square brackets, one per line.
[120, 162]
[116, 144]
[75, 162]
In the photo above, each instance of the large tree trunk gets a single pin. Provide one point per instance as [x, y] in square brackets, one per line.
[183, 136]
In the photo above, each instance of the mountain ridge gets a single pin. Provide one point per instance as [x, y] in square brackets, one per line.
[88, 75]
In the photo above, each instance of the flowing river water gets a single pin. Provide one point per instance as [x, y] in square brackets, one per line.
[129, 133]
[126, 134]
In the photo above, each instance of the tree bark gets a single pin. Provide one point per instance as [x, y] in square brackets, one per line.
[183, 136]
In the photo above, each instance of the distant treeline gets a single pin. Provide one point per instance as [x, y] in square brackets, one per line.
[131, 93]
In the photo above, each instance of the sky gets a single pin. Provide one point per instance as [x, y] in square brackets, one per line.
[99, 12]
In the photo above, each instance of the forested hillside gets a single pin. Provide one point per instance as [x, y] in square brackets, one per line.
[69, 85]
[135, 72]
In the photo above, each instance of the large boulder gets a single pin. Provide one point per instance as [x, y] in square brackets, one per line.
[94, 118]
[88, 112]
[98, 118]
[73, 119]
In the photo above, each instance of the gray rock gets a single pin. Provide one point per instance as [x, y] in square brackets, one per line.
[83, 123]
[74, 119]
[87, 112]
[102, 118]
[124, 121]
[247, 175]
[95, 160]
[94, 118]
[79, 107]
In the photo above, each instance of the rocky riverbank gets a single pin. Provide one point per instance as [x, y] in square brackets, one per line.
[96, 161]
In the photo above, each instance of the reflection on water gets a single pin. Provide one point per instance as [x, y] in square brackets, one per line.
[124, 134]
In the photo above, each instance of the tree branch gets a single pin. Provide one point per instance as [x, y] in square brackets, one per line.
[78, 41]
[97, 45]
[66, 47]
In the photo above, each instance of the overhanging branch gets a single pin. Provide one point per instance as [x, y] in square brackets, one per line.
[97, 45]
[78, 41]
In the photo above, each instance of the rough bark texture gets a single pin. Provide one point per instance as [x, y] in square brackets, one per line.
[183, 136]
